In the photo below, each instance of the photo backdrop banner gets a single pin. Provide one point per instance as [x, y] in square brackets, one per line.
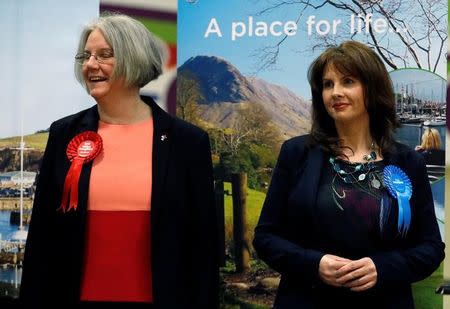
[242, 76]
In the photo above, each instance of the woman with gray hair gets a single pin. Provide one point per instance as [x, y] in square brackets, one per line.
[124, 211]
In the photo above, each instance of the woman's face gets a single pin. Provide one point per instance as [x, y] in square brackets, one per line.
[343, 96]
[98, 76]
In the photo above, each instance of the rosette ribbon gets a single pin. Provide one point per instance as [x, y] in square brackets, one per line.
[399, 186]
[82, 149]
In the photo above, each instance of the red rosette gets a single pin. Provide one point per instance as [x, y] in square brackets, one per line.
[82, 148]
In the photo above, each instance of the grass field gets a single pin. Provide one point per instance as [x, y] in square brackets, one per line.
[255, 199]
[35, 141]
[423, 291]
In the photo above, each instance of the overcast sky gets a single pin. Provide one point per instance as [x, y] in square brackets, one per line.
[39, 40]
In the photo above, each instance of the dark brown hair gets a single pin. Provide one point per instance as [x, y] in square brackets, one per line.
[358, 60]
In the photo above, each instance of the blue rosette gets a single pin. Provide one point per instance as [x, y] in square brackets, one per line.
[399, 186]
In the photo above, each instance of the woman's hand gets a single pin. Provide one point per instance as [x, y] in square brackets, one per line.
[358, 275]
[328, 268]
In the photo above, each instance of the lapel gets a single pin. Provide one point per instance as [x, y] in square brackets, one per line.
[162, 140]
[311, 177]
[306, 179]
[89, 122]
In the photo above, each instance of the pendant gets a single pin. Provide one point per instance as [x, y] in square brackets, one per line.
[362, 177]
[376, 183]
[372, 156]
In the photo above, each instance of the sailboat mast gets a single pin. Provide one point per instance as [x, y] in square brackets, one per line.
[22, 147]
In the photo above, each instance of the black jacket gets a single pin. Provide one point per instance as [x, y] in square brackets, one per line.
[286, 237]
[183, 219]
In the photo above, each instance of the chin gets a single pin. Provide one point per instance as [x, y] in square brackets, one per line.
[97, 93]
[341, 117]
[349, 119]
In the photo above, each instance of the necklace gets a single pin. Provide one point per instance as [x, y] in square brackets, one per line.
[363, 169]
[360, 175]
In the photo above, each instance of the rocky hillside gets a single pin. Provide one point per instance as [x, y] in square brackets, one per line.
[225, 91]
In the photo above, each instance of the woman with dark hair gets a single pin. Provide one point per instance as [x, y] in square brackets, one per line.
[124, 214]
[349, 217]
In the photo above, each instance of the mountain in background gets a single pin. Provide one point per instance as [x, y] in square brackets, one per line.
[225, 91]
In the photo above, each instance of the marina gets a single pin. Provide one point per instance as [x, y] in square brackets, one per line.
[11, 255]
[421, 99]
[13, 227]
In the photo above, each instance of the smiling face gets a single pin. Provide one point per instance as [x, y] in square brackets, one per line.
[343, 96]
[98, 76]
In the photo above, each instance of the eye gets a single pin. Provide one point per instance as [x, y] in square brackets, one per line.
[82, 56]
[348, 81]
[105, 54]
[327, 84]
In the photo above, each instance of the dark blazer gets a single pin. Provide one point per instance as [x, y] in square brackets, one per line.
[434, 156]
[286, 235]
[183, 219]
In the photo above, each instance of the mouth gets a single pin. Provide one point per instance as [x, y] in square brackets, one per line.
[340, 106]
[96, 79]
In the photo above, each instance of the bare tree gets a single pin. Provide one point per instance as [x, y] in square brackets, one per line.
[233, 137]
[415, 37]
[253, 125]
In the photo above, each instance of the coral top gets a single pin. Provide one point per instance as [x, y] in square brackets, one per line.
[117, 258]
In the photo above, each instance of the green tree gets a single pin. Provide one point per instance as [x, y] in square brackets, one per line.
[188, 97]
[250, 145]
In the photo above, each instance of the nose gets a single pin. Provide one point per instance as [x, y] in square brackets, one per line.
[337, 91]
[92, 62]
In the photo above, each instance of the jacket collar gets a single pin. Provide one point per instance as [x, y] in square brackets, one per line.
[162, 139]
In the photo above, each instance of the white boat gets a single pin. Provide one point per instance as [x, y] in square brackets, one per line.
[20, 236]
[434, 123]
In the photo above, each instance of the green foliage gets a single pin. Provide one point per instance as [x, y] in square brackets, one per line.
[258, 265]
[250, 145]
[262, 156]
[229, 267]
[255, 160]
[234, 163]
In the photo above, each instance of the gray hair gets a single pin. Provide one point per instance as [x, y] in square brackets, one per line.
[139, 54]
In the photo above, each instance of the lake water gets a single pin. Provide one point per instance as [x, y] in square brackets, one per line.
[411, 134]
[11, 275]
[6, 229]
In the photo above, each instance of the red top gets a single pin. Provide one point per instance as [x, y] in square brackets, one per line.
[117, 263]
